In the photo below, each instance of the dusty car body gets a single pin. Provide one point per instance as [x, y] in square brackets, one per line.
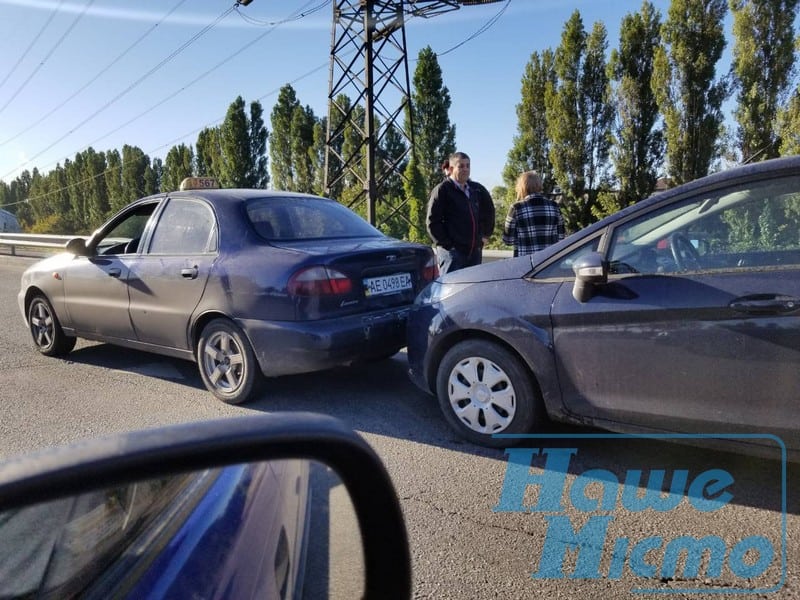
[244, 282]
[680, 313]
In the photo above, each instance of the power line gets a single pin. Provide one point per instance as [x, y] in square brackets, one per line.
[32, 44]
[208, 72]
[96, 77]
[485, 27]
[132, 86]
[48, 55]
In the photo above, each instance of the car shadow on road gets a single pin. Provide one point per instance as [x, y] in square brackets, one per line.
[378, 398]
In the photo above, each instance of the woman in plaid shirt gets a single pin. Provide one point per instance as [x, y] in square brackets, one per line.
[533, 222]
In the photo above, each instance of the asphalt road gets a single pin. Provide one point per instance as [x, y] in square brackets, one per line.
[462, 545]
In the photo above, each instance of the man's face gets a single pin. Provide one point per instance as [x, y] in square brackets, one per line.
[459, 170]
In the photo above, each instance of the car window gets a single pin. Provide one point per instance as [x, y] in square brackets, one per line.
[185, 227]
[757, 225]
[125, 235]
[563, 266]
[294, 218]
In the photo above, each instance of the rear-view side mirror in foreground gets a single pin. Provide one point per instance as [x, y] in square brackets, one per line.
[267, 506]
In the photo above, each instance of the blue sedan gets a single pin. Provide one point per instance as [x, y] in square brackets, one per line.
[244, 282]
[680, 313]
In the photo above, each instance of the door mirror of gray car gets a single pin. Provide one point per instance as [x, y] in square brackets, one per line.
[590, 271]
[269, 505]
[77, 246]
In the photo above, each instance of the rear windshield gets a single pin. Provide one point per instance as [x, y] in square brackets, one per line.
[289, 219]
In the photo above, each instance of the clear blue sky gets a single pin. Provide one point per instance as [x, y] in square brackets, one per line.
[104, 73]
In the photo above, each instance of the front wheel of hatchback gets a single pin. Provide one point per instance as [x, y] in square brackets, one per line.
[484, 389]
[45, 329]
[227, 363]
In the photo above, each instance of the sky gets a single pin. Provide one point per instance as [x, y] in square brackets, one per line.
[76, 74]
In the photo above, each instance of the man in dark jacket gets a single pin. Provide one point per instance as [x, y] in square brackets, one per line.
[460, 217]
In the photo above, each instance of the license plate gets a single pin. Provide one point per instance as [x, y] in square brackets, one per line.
[388, 284]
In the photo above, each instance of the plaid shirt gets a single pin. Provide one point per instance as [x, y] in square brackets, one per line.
[532, 224]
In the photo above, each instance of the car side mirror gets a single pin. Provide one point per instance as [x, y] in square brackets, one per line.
[77, 246]
[590, 271]
[253, 504]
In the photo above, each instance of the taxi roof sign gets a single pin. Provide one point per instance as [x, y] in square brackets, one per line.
[199, 183]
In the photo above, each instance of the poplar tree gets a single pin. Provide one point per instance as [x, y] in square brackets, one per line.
[178, 164]
[209, 153]
[392, 217]
[94, 183]
[687, 90]
[579, 116]
[258, 174]
[638, 146]
[763, 61]
[280, 143]
[234, 141]
[789, 125]
[302, 149]
[134, 164]
[434, 136]
[531, 147]
[113, 176]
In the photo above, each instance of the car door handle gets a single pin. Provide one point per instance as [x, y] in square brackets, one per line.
[189, 272]
[114, 272]
[765, 304]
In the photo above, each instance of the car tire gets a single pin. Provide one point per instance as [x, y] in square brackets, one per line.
[484, 389]
[46, 330]
[227, 362]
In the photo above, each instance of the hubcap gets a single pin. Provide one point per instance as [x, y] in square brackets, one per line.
[223, 362]
[481, 395]
[42, 325]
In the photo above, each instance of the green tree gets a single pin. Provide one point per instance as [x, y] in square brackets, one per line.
[258, 175]
[434, 136]
[134, 165]
[763, 61]
[531, 147]
[638, 145]
[687, 90]
[318, 154]
[178, 164]
[96, 194]
[280, 144]
[789, 125]
[209, 153]
[234, 140]
[416, 194]
[579, 116]
[113, 176]
[302, 149]
[392, 209]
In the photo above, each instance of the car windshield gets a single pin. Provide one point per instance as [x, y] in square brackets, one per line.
[305, 218]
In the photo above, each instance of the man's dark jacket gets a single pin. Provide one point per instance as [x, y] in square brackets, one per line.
[455, 221]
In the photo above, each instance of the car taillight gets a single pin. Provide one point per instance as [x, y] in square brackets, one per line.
[319, 281]
[431, 270]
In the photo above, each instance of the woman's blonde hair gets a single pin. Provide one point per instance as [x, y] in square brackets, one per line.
[528, 183]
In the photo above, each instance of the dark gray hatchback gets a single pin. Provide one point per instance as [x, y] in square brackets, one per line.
[244, 282]
[678, 314]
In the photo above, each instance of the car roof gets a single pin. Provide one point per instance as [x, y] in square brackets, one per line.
[776, 166]
[240, 194]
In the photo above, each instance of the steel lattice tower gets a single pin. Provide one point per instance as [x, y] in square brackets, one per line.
[369, 65]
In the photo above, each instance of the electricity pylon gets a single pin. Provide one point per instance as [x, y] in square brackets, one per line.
[369, 67]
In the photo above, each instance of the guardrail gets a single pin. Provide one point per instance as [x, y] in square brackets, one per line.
[15, 241]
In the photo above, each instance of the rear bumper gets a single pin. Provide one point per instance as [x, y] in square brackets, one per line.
[288, 347]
